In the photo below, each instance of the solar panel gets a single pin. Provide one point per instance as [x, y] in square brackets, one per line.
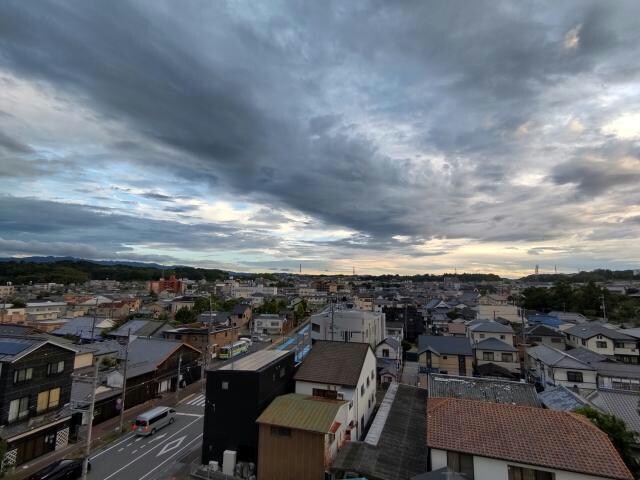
[11, 348]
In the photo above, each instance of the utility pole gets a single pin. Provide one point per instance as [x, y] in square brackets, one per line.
[332, 326]
[124, 380]
[604, 308]
[178, 382]
[93, 325]
[87, 449]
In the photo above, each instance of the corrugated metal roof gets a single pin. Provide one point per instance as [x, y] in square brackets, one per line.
[302, 412]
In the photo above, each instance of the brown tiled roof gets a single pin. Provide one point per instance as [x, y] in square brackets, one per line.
[337, 363]
[546, 438]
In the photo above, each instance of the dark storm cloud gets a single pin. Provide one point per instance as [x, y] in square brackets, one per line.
[31, 220]
[295, 107]
[595, 178]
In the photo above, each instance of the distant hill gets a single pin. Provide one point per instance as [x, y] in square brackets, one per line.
[67, 270]
[598, 275]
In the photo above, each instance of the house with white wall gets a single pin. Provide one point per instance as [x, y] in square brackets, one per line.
[342, 371]
[605, 341]
[349, 325]
[496, 352]
[549, 366]
[479, 330]
[496, 441]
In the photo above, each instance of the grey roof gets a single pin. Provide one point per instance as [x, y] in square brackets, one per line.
[562, 399]
[145, 354]
[494, 344]
[394, 324]
[445, 345]
[623, 405]
[556, 358]
[490, 390]
[12, 329]
[14, 348]
[588, 330]
[586, 355]
[256, 361]
[401, 451]
[541, 330]
[140, 327]
[490, 327]
[392, 342]
[81, 327]
[240, 308]
[616, 369]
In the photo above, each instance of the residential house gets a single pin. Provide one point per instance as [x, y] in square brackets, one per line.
[39, 311]
[562, 399]
[479, 330]
[605, 341]
[185, 301]
[85, 329]
[490, 441]
[241, 315]
[349, 325]
[541, 334]
[236, 396]
[623, 405]
[140, 327]
[390, 348]
[395, 330]
[410, 316]
[300, 436]
[449, 355]
[270, 324]
[569, 317]
[511, 313]
[343, 371]
[612, 374]
[203, 338]
[11, 314]
[215, 319]
[152, 368]
[549, 366]
[172, 284]
[35, 388]
[364, 302]
[395, 447]
[389, 360]
[487, 390]
[456, 329]
[495, 357]
[7, 291]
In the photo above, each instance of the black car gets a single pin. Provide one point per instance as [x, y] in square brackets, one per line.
[65, 469]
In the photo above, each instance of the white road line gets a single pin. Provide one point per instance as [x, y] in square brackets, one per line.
[137, 439]
[185, 399]
[128, 437]
[189, 414]
[169, 458]
[134, 452]
[129, 444]
[149, 451]
[197, 400]
[119, 450]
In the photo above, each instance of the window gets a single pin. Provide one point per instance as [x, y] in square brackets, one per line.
[22, 375]
[521, 473]
[487, 356]
[584, 342]
[601, 344]
[224, 386]
[619, 345]
[315, 327]
[275, 324]
[574, 377]
[507, 357]
[320, 392]
[280, 432]
[556, 340]
[444, 357]
[48, 399]
[368, 382]
[362, 390]
[55, 368]
[482, 335]
[18, 409]
[501, 337]
[460, 463]
[159, 417]
[350, 404]
[385, 352]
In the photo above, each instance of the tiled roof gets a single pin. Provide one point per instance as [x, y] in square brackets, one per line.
[490, 327]
[540, 330]
[445, 345]
[487, 390]
[494, 344]
[556, 358]
[623, 405]
[532, 436]
[302, 412]
[562, 399]
[588, 330]
[335, 363]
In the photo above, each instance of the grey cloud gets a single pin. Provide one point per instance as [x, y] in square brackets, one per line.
[595, 178]
[12, 145]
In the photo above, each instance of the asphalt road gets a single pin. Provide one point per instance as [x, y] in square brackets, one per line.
[151, 458]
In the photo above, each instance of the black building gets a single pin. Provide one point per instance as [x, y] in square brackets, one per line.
[35, 390]
[410, 317]
[236, 396]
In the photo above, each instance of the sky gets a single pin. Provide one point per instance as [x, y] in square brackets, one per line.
[386, 137]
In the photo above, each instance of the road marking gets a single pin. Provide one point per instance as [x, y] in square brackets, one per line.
[129, 444]
[185, 399]
[137, 439]
[114, 446]
[172, 445]
[119, 450]
[134, 452]
[142, 446]
[189, 414]
[169, 458]
[158, 437]
[149, 451]
[198, 401]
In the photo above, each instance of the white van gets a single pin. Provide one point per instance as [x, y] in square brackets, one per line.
[150, 422]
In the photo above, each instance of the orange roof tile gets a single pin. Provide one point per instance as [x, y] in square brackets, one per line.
[529, 435]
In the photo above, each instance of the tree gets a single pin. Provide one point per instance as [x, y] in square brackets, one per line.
[17, 303]
[621, 437]
[453, 314]
[185, 315]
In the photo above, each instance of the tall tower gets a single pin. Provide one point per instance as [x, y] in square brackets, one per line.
[537, 269]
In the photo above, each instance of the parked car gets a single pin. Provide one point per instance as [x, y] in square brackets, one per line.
[67, 469]
[260, 338]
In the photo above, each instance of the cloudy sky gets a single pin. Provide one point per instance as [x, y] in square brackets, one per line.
[393, 137]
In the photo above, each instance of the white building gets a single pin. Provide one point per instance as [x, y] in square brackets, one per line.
[270, 324]
[349, 325]
[344, 371]
[550, 366]
[38, 311]
[495, 441]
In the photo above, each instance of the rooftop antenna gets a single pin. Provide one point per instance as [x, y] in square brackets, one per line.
[300, 268]
[354, 271]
